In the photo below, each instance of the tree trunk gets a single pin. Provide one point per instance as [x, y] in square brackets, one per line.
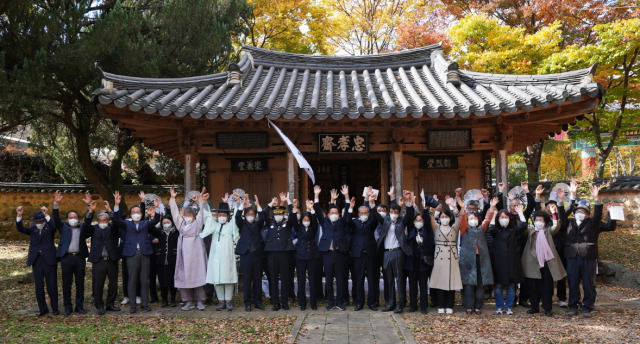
[532, 155]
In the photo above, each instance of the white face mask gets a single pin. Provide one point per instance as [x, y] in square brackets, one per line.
[393, 217]
[539, 224]
[445, 221]
[382, 213]
[40, 225]
[136, 217]
[334, 217]
[250, 219]
[364, 218]
[222, 219]
[298, 216]
[103, 225]
[504, 222]
[418, 225]
[473, 223]
[188, 220]
[580, 216]
[73, 222]
[166, 226]
[306, 223]
[278, 218]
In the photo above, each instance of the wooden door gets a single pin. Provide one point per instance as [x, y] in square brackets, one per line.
[439, 182]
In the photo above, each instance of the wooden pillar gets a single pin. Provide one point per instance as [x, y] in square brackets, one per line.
[292, 176]
[189, 172]
[396, 172]
[384, 182]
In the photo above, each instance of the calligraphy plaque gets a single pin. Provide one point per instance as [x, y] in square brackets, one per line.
[249, 165]
[449, 139]
[240, 140]
[438, 163]
[343, 143]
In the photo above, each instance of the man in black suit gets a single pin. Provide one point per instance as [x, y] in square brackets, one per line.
[72, 252]
[42, 257]
[104, 256]
[392, 235]
[249, 248]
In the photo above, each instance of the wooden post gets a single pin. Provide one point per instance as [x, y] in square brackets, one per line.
[189, 173]
[396, 172]
[292, 177]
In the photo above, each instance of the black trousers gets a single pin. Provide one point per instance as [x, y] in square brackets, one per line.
[334, 268]
[365, 266]
[73, 267]
[561, 285]
[44, 272]
[393, 266]
[320, 292]
[153, 274]
[138, 266]
[304, 268]
[251, 266]
[279, 270]
[419, 279]
[445, 298]
[541, 289]
[292, 274]
[473, 295]
[102, 270]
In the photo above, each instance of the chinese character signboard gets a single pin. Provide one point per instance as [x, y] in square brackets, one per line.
[449, 139]
[487, 182]
[439, 163]
[343, 143]
[249, 165]
[241, 140]
[203, 174]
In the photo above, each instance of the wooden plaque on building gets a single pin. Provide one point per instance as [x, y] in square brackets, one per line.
[249, 165]
[449, 139]
[448, 162]
[240, 140]
[343, 143]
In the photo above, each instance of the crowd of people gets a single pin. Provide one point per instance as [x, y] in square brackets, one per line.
[479, 247]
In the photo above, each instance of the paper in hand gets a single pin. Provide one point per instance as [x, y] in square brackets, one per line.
[617, 213]
[375, 192]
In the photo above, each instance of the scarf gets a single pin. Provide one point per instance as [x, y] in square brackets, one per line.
[543, 251]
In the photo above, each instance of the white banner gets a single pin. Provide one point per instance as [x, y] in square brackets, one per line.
[302, 162]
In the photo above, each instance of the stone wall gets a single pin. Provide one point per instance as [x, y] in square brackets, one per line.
[630, 200]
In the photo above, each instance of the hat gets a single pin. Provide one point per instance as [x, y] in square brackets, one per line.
[583, 205]
[279, 209]
[223, 207]
[550, 201]
[38, 216]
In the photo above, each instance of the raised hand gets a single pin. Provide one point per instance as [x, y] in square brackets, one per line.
[353, 203]
[461, 203]
[519, 208]
[57, 197]
[317, 190]
[392, 192]
[142, 196]
[204, 190]
[92, 206]
[87, 198]
[283, 197]
[206, 196]
[609, 205]
[236, 196]
[573, 187]
[401, 201]
[44, 210]
[406, 194]
[594, 192]
[450, 202]
[525, 187]
[561, 195]
[413, 197]
[368, 192]
[539, 191]
[225, 199]
[195, 197]
[501, 187]
[309, 205]
[334, 195]
[117, 198]
[511, 196]
[345, 191]
[255, 199]
[19, 211]
[274, 202]
[172, 193]
[494, 202]
[245, 202]
[107, 206]
[156, 202]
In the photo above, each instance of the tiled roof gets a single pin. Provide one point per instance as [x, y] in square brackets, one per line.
[84, 188]
[407, 83]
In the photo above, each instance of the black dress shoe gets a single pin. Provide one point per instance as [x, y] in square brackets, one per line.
[132, 310]
[275, 307]
[100, 310]
[412, 309]
[81, 311]
[357, 308]
[164, 304]
[153, 301]
[68, 311]
[330, 307]
[285, 306]
[146, 309]
[373, 308]
[423, 311]
[524, 303]
[388, 308]
[260, 306]
[173, 304]
[315, 308]
[398, 310]
[303, 308]
[208, 302]
[548, 314]
[55, 312]
[112, 308]
[43, 313]
[533, 311]
[247, 308]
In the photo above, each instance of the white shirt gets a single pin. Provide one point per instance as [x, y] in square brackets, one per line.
[390, 240]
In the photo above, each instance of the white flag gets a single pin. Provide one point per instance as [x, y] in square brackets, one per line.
[302, 162]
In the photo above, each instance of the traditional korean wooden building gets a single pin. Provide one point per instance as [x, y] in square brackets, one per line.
[410, 119]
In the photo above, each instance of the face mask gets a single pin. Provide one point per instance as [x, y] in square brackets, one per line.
[278, 218]
[299, 216]
[188, 220]
[73, 222]
[580, 216]
[445, 221]
[418, 225]
[136, 217]
[382, 213]
[504, 222]
[103, 225]
[393, 217]
[306, 223]
[334, 217]
[222, 219]
[250, 219]
[166, 226]
[40, 225]
[473, 223]
[364, 218]
[539, 224]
